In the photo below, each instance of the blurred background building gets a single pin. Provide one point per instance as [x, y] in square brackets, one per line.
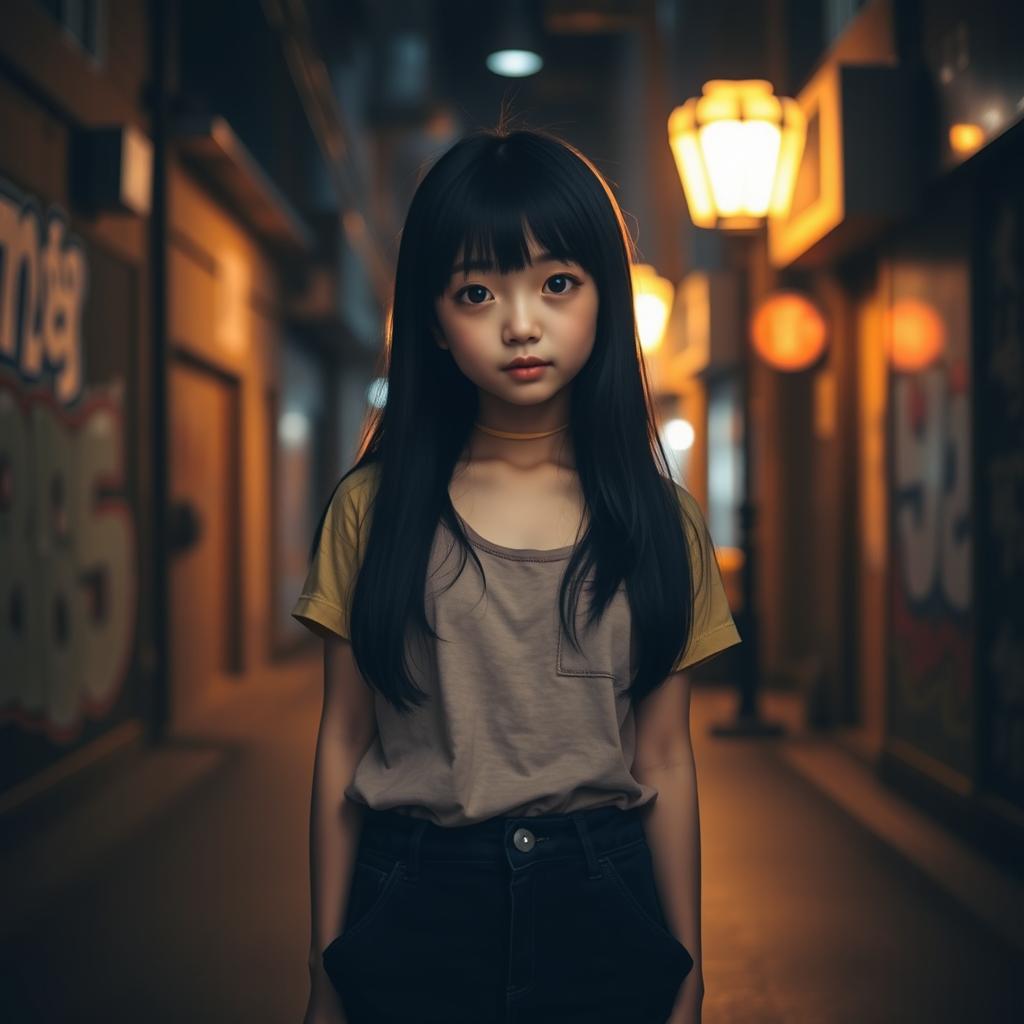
[200, 206]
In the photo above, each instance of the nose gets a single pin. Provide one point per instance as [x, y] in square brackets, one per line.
[520, 324]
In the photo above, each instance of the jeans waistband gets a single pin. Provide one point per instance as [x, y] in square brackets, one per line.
[518, 841]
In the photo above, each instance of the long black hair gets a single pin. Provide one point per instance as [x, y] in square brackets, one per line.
[480, 197]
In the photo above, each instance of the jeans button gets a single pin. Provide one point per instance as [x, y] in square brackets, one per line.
[524, 839]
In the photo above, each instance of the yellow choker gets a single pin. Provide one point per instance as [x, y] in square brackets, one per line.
[511, 436]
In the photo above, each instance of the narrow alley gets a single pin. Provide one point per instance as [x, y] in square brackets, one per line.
[721, 305]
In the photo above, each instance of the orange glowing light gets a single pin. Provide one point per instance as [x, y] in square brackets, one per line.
[788, 331]
[915, 334]
[965, 138]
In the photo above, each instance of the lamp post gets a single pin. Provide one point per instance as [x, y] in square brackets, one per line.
[748, 720]
[737, 148]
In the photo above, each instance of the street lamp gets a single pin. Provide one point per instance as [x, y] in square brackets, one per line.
[737, 148]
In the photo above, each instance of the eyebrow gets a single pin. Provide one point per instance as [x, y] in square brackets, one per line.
[467, 265]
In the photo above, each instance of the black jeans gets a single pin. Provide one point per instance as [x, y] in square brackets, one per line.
[549, 919]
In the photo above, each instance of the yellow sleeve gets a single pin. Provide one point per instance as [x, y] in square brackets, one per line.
[713, 627]
[326, 599]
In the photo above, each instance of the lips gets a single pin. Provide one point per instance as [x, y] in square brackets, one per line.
[518, 364]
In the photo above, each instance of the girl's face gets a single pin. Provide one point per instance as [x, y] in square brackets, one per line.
[547, 310]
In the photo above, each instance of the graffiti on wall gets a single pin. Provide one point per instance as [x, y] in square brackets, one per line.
[68, 586]
[43, 284]
[931, 516]
[931, 596]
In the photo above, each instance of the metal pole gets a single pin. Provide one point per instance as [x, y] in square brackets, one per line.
[747, 721]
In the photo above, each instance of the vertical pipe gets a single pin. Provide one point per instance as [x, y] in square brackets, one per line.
[158, 719]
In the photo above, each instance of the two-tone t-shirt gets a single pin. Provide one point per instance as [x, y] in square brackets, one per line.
[518, 722]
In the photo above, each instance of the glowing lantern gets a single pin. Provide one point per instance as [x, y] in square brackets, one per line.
[965, 138]
[915, 333]
[737, 149]
[652, 301]
[788, 332]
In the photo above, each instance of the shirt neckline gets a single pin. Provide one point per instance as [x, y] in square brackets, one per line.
[516, 554]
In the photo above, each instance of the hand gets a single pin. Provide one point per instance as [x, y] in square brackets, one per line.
[687, 1008]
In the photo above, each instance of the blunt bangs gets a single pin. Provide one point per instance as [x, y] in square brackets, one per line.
[489, 213]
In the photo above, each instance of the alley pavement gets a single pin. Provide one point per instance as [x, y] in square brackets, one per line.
[175, 888]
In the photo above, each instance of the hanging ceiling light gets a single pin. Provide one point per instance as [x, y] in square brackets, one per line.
[737, 149]
[516, 52]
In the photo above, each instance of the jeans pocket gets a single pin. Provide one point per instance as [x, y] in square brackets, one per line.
[372, 889]
[630, 874]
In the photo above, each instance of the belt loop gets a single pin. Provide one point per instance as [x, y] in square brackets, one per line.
[413, 867]
[588, 846]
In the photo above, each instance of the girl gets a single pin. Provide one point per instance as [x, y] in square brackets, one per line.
[504, 822]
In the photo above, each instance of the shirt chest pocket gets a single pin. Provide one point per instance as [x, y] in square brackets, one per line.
[604, 647]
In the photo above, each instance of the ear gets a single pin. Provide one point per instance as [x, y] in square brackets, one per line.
[438, 337]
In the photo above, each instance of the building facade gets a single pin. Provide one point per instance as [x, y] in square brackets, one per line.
[171, 353]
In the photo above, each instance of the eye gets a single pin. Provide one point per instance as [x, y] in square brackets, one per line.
[475, 295]
[467, 289]
[565, 277]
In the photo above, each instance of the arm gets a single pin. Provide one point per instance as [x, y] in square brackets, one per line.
[671, 823]
[347, 728]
